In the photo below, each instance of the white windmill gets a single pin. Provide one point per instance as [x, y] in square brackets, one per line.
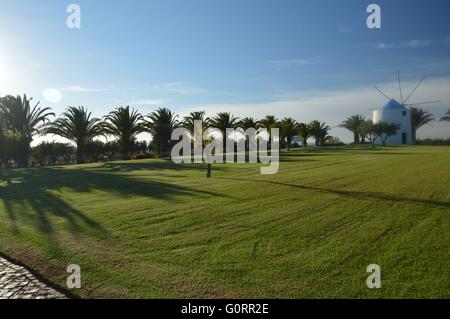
[398, 113]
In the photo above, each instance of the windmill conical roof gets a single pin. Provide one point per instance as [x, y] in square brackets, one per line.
[393, 105]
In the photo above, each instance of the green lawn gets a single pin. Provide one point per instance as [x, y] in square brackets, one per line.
[154, 229]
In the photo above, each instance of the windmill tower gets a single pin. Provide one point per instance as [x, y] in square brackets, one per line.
[398, 113]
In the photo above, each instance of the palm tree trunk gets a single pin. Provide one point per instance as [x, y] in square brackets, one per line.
[126, 151]
[80, 154]
[269, 143]
[414, 134]
[224, 145]
[305, 142]
[161, 148]
[22, 160]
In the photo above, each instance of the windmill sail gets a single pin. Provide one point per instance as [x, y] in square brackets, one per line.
[399, 113]
[413, 91]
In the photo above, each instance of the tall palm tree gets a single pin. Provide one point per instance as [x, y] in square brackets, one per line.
[248, 122]
[446, 117]
[269, 122]
[24, 121]
[189, 124]
[353, 124]
[189, 121]
[419, 118]
[124, 124]
[221, 122]
[160, 124]
[77, 125]
[320, 131]
[289, 128]
[304, 132]
[245, 124]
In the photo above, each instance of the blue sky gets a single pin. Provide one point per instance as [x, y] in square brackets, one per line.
[309, 59]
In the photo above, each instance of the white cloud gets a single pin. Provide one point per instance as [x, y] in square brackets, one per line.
[406, 44]
[296, 62]
[150, 102]
[80, 89]
[383, 45]
[417, 43]
[177, 88]
[334, 107]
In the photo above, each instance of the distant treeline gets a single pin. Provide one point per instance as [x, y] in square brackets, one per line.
[433, 142]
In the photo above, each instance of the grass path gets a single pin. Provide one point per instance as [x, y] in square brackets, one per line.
[155, 229]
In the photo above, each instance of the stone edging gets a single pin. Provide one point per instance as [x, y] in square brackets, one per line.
[16, 282]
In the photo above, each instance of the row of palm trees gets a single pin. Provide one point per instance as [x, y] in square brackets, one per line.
[288, 127]
[357, 124]
[20, 122]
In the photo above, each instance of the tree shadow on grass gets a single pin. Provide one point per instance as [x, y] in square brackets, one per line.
[31, 195]
[354, 194]
[321, 152]
[152, 166]
[37, 205]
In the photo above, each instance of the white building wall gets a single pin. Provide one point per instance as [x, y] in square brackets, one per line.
[397, 116]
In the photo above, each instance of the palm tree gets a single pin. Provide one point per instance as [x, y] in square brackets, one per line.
[446, 117]
[189, 124]
[320, 131]
[269, 122]
[419, 118]
[353, 124]
[77, 126]
[304, 132]
[289, 128]
[124, 125]
[245, 124]
[24, 121]
[189, 121]
[160, 124]
[248, 122]
[221, 122]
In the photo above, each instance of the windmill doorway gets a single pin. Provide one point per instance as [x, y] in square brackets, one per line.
[404, 138]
